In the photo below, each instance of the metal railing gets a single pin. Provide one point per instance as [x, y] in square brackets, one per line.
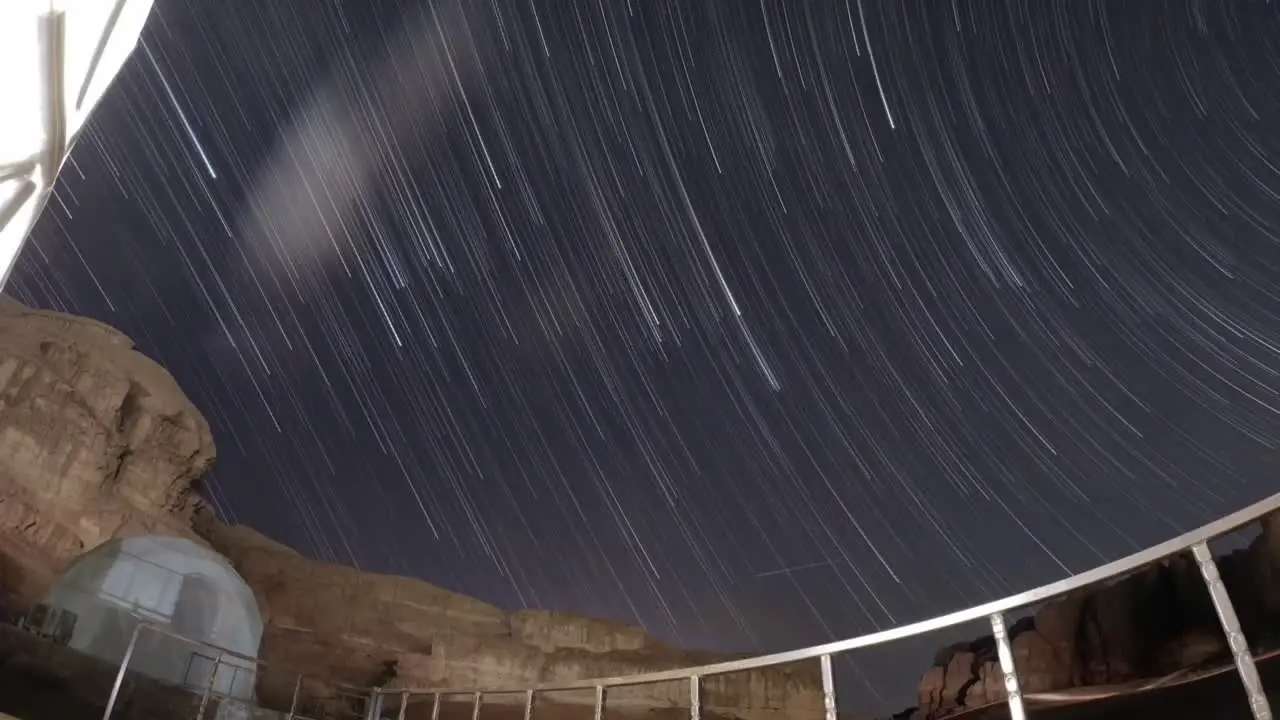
[994, 612]
[198, 663]
[220, 657]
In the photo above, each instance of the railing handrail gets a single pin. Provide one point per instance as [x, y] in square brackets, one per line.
[253, 664]
[1101, 573]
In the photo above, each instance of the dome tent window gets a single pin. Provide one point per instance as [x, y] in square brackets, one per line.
[170, 582]
[140, 585]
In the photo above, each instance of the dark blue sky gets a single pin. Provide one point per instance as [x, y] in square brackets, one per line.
[753, 324]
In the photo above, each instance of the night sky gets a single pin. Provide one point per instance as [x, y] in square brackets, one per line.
[752, 323]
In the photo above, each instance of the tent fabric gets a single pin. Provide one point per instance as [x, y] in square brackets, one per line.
[174, 584]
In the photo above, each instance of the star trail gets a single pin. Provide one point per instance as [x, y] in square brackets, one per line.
[755, 324]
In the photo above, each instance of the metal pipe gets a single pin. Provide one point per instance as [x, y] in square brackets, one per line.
[695, 697]
[54, 37]
[293, 704]
[208, 688]
[404, 704]
[475, 706]
[1017, 709]
[528, 704]
[435, 707]
[599, 702]
[1231, 628]
[124, 664]
[828, 688]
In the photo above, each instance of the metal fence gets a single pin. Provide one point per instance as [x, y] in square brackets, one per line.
[222, 661]
[1196, 542]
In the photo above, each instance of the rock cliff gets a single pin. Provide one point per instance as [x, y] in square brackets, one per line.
[97, 442]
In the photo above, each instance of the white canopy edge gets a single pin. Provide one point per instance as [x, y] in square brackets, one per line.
[57, 59]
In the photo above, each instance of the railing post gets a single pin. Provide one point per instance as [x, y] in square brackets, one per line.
[235, 677]
[475, 706]
[528, 704]
[404, 704]
[124, 665]
[293, 704]
[828, 688]
[1231, 628]
[208, 687]
[435, 707]
[695, 697]
[373, 711]
[599, 702]
[1017, 709]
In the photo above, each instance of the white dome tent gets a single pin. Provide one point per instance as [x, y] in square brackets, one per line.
[171, 583]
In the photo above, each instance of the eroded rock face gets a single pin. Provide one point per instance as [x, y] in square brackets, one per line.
[98, 442]
[364, 629]
[1149, 624]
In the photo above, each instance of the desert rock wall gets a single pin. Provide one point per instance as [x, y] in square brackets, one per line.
[96, 441]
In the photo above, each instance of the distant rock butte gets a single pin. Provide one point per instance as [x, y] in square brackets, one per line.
[97, 441]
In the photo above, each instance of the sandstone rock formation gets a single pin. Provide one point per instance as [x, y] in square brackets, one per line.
[1150, 624]
[97, 442]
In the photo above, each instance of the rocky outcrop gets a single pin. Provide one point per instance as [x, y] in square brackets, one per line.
[98, 442]
[1150, 624]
